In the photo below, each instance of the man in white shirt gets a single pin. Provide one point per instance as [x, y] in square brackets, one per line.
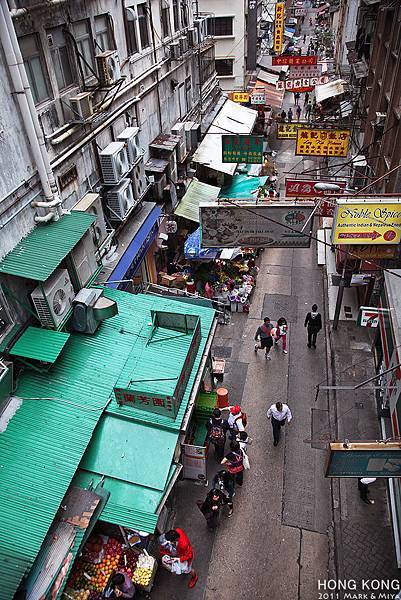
[279, 414]
[363, 487]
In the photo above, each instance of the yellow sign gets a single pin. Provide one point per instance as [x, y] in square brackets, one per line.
[278, 28]
[368, 222]
[288, 131]
[240, 97]
[322, 142]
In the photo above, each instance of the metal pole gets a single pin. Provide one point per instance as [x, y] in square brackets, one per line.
[340, 297]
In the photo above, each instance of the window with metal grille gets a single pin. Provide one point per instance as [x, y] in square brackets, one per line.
[131, 18]
[83, 39]
[102, 33]
[143, 22]
[220, 26]
[60, 54]
[176, 15]
[207, 67]
[35, 67]
[224, 66]
[165, 18]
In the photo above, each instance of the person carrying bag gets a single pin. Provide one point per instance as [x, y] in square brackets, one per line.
[234, 462]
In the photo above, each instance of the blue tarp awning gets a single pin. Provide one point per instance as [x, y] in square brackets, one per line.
[193, 250]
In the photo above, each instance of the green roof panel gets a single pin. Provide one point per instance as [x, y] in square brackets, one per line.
[43, 249]
[197, 192]
[40, 344]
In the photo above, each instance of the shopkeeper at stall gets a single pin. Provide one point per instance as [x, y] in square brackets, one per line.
[123, 586]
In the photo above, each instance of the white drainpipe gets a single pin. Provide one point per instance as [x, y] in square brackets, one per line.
[25, 100]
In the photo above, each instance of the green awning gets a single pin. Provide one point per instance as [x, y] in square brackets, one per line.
[40, 344]
[43, 249]
[196, 193]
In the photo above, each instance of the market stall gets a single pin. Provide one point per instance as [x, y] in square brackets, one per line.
[195, 447]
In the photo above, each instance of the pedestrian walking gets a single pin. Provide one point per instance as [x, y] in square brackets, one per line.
[264, 333]
[298, 110]
[304, 38]
[302, 19]
[211, 507]
[237, 421]
[308, 111]
[217, 428]
[306, 98]
[289, 115]
[234, 462]
[310, 22]
[243, 439]
[296, 98]
[177, 554]
[280, 414]
[313, 321]
[281, 333]
[283, 115]
[363, 487]
[225, 482]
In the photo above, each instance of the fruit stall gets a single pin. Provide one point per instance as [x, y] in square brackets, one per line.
[104, 555]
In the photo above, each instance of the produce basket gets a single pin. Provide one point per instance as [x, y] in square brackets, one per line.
[148, 588]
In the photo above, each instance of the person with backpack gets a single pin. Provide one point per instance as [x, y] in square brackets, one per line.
[237, 420]
[217, 428]
[211, 507]
[281, 333]
[313, 321]
[225, 482]
[234, 462]
[264, 333]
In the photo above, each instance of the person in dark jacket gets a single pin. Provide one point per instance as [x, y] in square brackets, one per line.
[225, 482]
[211, 507]
[264, 333]
[313, 321]
[217, 428]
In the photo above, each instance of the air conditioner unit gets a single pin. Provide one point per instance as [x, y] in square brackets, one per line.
[120, 200]
[81, 106]
[158, 186]
[192, 35]
[139, 180]
[183, 41]
[130, 137]
[179, 129]
[192, 131]
[53, 299]
[114, 162]
[83, 257]
[108, 67]
[201, 28]
[175, 51]
[92, 204]
[380, 118]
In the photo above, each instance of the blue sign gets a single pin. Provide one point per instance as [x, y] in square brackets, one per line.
[364, 460]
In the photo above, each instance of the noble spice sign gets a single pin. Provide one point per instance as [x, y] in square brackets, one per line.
[369, 222]
[322, 142]
[289, 59]
[278, 27]
[242, 149]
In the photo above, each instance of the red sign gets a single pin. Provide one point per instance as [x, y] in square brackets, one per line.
[284, 59]
[296, 188]
[368, 235]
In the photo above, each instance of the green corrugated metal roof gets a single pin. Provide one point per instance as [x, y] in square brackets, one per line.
[196, 193]
[43, 249]
[40, 344]
[45, 440]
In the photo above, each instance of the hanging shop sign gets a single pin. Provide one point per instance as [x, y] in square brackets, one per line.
[364, 459]
[300, 71]
[368, 317]
[288, 131]
[240, 97]
[242, 149]
[374, 252]
[258, 97]
[305, 82]
[252, 35]
[278, 35]
[322, 142]
[289, 59]
[295, 188]
[369, 222]
[252, 225]
[300, 12]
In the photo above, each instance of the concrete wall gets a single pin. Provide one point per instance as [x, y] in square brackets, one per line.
[350, 28]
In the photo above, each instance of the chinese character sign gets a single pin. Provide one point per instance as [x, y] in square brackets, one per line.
[296, 188]
[278, 27]
[288, 131]
[304, 82]
[299, 70]
[289, 59]
[322, 142]
[242, 149]
[240, 97]
[258, 97]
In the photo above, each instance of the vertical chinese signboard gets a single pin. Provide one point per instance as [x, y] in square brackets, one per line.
[242, 149]
[322, 142]
[278, 28]
[252, 35]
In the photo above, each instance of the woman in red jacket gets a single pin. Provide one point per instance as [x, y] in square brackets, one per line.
[177, 554]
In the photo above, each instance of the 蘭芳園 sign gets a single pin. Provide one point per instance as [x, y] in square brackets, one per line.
[240, 96]
[289, 59]
[228, 225]
[368, 222]
[242, 149]
[295, 188]
[278, 34]
[364, 459]
[322, 142]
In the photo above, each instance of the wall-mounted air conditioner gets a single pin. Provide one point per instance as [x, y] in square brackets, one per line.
[201, 28]
[175, 52]
[192, 134]
[139, 180]
[183, 41]
[81, 106]
[83, 257]
[53, 299]
[108, 67]
[114, 162]
[120, 200]
[159, 182]
[192, 35]
[92, 204]
[130, 137]
[179, 129]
